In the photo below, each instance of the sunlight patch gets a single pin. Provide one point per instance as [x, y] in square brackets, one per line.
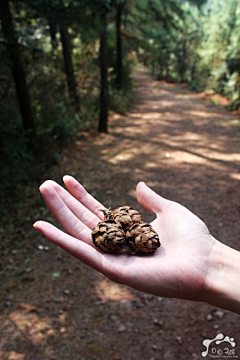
[235, 176]
[123, 156]
[108, 290]
[12, 355]
[151, 165]
[203, 114]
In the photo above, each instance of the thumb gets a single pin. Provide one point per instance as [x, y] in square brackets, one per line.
[149, 199]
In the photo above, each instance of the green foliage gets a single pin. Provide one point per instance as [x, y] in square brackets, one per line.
[14, 153]
[219, 49]
[121, 100]
[196, 42]
[61, 124]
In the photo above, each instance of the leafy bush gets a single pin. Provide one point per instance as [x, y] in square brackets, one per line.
[89, 111]
[15, 155]
[120, 101]
[57, 123]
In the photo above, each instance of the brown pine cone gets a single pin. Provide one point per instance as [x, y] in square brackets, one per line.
[108, 236]
[142, 238]
[124, 215]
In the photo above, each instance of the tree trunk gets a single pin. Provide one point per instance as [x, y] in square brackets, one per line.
[183, 61]
[103, 118]
[53, 32]
[153, 67]
[17, 68]
[119, 65]
[68, 64]
[193, 71]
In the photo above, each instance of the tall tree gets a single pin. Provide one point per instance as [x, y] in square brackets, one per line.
[67, 55]
[58, 16]
[53, 31]
[17, 68]
[68, 64]
[119, 57]
[103, 59]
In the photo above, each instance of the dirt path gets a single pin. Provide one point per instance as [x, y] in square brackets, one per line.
[54, 308]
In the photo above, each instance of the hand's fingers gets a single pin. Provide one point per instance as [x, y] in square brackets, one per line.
[68, 220]
[79, 249]
[79, 210]
[78, 191]
[149, 199]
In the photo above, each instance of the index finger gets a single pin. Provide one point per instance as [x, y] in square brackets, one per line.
[81, 194]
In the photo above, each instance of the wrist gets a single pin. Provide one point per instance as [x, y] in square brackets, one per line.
[222, 284]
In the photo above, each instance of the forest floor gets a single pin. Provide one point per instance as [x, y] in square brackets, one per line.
[52, 307]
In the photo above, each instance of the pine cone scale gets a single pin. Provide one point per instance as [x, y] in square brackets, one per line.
[124, 215]
[142, 238]
[108, 236]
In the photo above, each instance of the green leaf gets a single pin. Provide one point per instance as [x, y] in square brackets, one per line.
[56, 274]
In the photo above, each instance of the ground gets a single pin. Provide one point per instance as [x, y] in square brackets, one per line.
[52, 307]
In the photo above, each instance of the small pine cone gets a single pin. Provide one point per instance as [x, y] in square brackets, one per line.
[108, 236]
[124, 215]
[142, 238]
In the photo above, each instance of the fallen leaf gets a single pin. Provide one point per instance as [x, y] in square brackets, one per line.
[28, 307]
[56, 274]
[11, 285]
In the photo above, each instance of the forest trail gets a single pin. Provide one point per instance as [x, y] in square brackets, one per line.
[55, 308]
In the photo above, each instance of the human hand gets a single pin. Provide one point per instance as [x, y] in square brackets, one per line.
[178, 268]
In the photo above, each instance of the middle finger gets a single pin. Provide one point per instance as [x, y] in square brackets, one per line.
[78, 209]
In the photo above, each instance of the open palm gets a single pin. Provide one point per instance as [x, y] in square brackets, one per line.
[179, 268]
